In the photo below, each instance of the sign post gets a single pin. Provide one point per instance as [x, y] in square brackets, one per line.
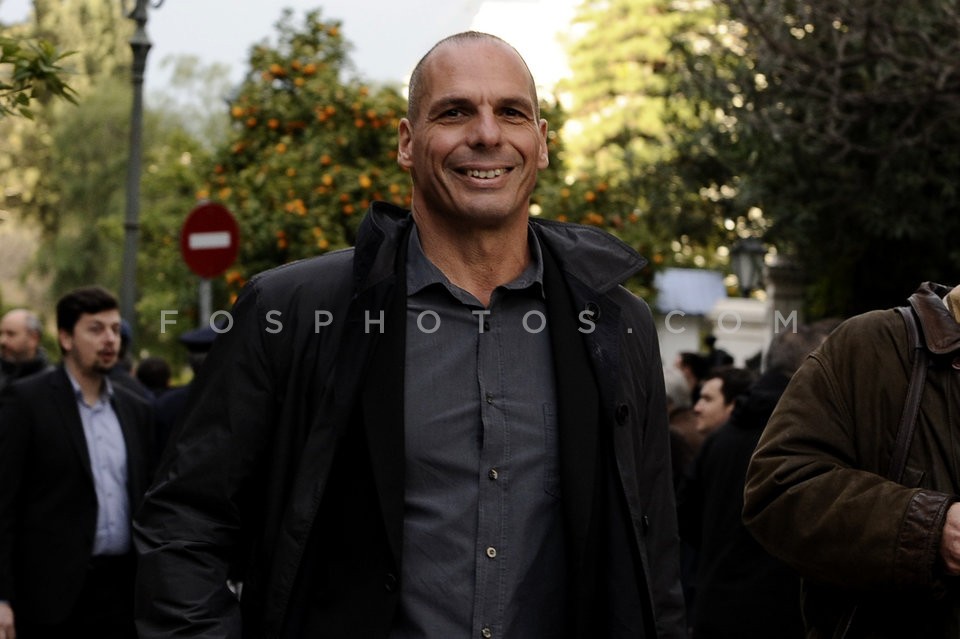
[209, 243]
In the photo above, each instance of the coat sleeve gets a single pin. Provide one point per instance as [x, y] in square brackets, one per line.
[189, 526]
[815, 494]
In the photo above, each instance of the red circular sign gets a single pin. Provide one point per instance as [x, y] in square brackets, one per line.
[209, 240]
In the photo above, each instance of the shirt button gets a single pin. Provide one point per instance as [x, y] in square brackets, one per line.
[486, 326]
[491, 552]
[486, 633]
[493, 474]
[489, 398]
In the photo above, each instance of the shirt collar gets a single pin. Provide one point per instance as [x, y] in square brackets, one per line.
[105, 395]
[421, 272]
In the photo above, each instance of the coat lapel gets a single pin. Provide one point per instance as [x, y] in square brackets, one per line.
[578, 409]
[381, 403]
[382, 406]
[65, 404]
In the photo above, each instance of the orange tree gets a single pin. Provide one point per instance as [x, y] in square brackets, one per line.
[309, 149]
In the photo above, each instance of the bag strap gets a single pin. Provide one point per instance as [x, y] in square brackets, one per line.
[905, 430]
[911, 406]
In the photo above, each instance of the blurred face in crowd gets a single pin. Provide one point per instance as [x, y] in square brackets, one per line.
[711, 409]
[92, 348]
[475, 143]
[17, 342]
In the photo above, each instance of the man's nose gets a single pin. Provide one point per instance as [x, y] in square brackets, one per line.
[485, 129]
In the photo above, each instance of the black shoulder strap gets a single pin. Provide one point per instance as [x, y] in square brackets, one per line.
[911, 406]
[908, 424]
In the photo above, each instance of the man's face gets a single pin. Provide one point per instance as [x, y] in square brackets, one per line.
[93, 346]
[710, 409]
[17, 343]
[477, 145]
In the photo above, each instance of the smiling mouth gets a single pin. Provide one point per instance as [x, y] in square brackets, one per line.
[488, 174]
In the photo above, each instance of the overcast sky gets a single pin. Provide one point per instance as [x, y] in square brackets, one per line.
[388, 36]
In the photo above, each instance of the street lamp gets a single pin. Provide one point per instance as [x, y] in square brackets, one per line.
[140, 44]
[746, 261]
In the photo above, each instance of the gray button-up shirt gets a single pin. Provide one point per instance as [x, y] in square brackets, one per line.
[108, 461]
[483, 551]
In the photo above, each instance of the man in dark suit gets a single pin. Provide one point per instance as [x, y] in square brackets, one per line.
[75, 457]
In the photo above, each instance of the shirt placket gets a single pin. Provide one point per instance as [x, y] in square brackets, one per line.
[491, 552]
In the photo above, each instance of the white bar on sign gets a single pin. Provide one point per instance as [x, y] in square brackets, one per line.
[214, 240]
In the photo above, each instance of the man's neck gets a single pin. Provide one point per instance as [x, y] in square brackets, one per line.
[476, 260]
[91, 383]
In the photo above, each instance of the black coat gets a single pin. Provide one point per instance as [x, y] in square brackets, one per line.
[48, 506]
[281, 401]
[742, 591]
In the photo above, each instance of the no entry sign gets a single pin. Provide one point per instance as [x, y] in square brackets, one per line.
[209, 240]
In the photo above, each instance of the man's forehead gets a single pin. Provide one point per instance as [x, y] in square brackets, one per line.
[447, 75]
[111, 317]
[713, 384]
[13, 319]
[450, 56]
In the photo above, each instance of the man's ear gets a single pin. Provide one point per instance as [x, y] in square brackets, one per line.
[65, 339]
[404, 144]
[544, 160]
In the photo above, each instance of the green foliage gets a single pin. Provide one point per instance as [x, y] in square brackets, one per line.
[635, 128]
[88, 165]
[194, 97]
[87, 160]
[174, 165]
[35, 70]
[97, 30]
[842, 123]
[97, 33]
[619, 83]
[310, 148]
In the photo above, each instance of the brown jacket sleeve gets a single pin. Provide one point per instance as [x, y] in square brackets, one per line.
[815, 494]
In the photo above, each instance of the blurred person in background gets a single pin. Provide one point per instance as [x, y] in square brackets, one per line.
[21, 354]
[719, 390]
[742, 591]
[75, 461]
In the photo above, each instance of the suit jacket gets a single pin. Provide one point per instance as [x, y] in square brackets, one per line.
[48, 507]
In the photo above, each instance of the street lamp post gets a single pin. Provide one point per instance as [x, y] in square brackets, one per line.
[746, 262]
[140, 44]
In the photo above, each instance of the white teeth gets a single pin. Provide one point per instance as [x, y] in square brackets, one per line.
[486, 174]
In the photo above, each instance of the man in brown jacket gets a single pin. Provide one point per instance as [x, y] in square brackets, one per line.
[816, 493]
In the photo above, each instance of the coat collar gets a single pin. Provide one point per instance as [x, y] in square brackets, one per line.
[601, 261]
[940, 330]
